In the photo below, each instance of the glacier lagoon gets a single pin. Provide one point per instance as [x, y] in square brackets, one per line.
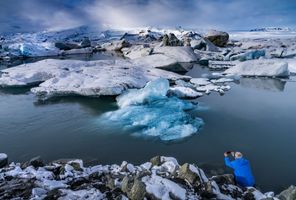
[254, 115]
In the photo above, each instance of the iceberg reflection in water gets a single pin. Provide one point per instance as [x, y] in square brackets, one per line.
[148, 112]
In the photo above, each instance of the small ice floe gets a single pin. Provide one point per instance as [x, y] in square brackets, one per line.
[220, 64]
[268, 68]
[217, 83]
[150, 113]
[184, 92]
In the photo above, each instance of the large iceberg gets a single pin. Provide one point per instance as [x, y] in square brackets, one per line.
[86, 78]
[148, 112]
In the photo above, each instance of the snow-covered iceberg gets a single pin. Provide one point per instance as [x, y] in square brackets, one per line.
[268, 68]
[150, 113]
[87, 78]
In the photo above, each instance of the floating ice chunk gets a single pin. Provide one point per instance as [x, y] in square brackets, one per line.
[184, 92]
[200, 81]
[222, 80]
[36, 49]
[161, 188]
[260, 68]
[150, 113]
[154, 90]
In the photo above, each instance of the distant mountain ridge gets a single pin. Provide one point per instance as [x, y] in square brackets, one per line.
[266, 29]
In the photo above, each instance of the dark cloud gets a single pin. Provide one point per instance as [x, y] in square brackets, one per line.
[31, 15]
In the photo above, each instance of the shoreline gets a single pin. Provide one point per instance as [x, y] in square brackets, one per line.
[160, 178]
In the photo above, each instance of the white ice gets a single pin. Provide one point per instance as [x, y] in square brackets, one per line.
[261, 67]
[87, 78]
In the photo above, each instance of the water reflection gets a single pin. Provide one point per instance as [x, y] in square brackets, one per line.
[270, 84]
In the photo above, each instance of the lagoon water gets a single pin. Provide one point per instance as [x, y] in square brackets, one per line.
[256, 117]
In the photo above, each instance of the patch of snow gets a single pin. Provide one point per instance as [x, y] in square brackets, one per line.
[3, 156]
[161, 188]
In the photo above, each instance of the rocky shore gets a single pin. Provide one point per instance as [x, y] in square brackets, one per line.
[160, 178]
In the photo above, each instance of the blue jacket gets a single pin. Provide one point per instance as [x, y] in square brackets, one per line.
[242, 171]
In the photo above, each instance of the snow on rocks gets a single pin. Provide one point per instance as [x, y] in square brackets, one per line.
[162, 188]
[87, 78]
[165, 180]
[268, 68]
[137, 51]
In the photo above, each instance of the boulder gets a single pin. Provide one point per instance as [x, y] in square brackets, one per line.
[186, 173]
[138, 191]
[224, 179]
[116, 45]
[218, 38]
[85, 43]
[126, 184]
[66, 46]
[156, 161]
[203, 44]
[288, 194]
[171, 40]
[3, 160]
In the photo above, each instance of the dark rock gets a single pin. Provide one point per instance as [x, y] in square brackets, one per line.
[186, 173]
[35, 162]
[138, 191]
[171, 40]
[218, 38]
[248, 196]
[126, 184]
[53, 194]
[78, 183]
[66, 46]
[3, 160]
[156, 161]
[206, 192]
[288, 194]
[16, 188]
[224, 179]
[85, 43]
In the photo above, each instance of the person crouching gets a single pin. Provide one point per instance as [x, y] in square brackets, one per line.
[242, 169]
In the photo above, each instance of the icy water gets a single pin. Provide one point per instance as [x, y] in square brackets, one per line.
[256, 117]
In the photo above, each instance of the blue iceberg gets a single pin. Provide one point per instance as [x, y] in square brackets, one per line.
[148, 112]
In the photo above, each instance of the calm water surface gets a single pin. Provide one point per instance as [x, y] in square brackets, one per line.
[256, 117]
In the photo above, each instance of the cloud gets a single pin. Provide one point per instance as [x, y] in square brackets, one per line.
[219, 14]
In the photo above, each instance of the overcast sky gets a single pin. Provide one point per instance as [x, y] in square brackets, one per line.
[32, 15]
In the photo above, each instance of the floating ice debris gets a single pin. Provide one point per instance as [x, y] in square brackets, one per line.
[151, 113]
